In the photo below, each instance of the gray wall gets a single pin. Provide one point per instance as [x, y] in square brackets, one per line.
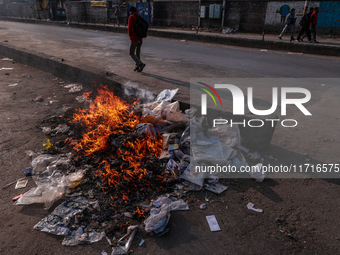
[241, 15]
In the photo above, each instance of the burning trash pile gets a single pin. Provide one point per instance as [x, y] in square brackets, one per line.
[121, 167]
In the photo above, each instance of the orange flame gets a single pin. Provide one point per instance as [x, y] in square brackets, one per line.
[110, 115]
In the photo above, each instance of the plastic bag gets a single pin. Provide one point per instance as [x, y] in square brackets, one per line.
[229, 135]
[82, 236]
[166, 95]
[159, 217]
[212, 150]
[48, 191]
[172, 113]
[159, 109]
[256, 173]
[51, 182]
[192, 176]
[58, 222]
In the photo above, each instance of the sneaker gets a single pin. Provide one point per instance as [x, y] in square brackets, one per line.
[280, 37]
[141, 67]
[315, 41]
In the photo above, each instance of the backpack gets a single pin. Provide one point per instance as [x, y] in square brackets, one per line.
[142, 27]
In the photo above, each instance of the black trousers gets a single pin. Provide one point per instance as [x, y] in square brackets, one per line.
[135, 47]
[304, 29]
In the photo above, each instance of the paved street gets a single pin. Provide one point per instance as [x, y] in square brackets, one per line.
[169, 62]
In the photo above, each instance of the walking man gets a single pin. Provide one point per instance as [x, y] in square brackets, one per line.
[305, 23]
[314, 22]
[289, 27]
[136, 41]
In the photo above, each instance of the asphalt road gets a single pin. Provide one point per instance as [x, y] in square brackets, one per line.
[169, 62]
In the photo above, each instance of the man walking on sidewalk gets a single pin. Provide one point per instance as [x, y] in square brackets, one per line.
[314, 22]
[289, 27]
[136, 41]
[305, 23]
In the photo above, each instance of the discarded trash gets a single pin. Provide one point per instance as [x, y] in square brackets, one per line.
[172, 113]
[229, 135]
[173, 147]
[144, 129]
[61, 128]
[7, 59]
[73, 87]
[46, 130]
[256, 173]
[203, 206]
[173, 167]
[227, 30]
[128, 215]
[141, 242]
[58, 222]
[6, 68]
[13, 85]
[166, 95]
[47, 144]
[9, 184]
[216, 188]
[159, 217]
[213, 224]
[29, 171]
[51, 183]
[250, 206]
[21, 184]
[83, 99]
[82, 236]
[242, 148]
[254, 155]
[192, 176]
[212, 150]
[131, 231]
[16, 197]
[213, 179]
[74, 179]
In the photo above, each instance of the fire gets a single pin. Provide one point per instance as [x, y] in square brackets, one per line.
[109, 117]
[106, 115]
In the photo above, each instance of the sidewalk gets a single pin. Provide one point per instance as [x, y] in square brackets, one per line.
[322, 39]
[326, 46]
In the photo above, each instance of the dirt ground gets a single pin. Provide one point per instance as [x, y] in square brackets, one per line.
[300, 216]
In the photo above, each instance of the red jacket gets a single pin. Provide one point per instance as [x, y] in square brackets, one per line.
[314, 19]
[131, 27]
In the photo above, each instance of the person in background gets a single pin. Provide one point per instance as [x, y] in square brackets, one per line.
[290, 24]
[314, 22]
[136, 41]
[305, 23]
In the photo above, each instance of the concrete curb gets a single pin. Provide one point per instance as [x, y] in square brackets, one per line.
[233, 41]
